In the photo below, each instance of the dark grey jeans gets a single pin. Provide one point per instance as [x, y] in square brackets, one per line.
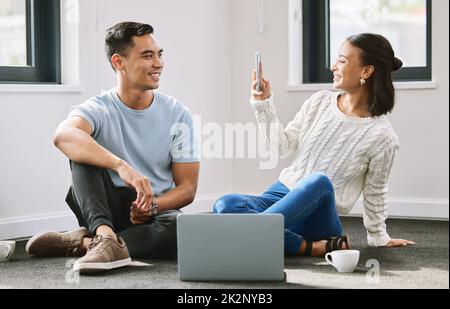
[95, 200]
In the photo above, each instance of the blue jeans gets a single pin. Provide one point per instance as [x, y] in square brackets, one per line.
[309, 209]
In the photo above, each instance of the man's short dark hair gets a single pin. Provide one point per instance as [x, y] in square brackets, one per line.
[119, 38]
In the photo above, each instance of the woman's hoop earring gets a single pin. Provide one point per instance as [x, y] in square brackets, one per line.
[362, 81]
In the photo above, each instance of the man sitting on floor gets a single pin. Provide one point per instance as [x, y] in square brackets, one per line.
[134, 162]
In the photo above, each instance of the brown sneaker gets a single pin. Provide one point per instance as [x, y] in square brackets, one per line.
[104, 253]
[58, 244]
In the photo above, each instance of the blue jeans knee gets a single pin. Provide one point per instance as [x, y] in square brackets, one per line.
[229, 203]
[318, 180]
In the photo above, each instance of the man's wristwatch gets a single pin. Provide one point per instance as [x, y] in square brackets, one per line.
[154, 208]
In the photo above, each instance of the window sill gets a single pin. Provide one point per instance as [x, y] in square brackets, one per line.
[24, 88]
[397, 86]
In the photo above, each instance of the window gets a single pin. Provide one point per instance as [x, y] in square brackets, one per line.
[405, 23]
[30, 41]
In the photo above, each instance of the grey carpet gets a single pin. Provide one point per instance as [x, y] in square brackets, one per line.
[424, 265]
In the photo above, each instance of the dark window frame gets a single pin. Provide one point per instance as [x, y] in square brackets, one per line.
[316, 46]
[43, 27]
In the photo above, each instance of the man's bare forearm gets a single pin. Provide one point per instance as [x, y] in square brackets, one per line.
[176, 198]
[80, 147]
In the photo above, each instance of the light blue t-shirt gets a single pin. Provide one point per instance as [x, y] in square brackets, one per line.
[149, 140]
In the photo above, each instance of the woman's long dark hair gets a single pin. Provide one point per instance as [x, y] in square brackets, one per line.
[377, 51]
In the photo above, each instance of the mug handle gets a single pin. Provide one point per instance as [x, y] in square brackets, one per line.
[4, 252]
[10, 251]
[7, 253]
[328, 258]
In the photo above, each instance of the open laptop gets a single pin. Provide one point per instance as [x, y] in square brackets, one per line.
[230, 247]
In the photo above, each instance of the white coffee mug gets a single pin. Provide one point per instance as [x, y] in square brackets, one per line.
[7, 248]
[345, 261]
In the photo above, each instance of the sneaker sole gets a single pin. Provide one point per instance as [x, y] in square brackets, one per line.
[97, 267]
[31, 242]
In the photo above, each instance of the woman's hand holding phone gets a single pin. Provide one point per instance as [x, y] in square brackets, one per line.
[265, 89]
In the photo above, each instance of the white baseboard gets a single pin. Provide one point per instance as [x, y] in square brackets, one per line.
[26, 226]
[21, 227]
[202, 203]
[427, 209]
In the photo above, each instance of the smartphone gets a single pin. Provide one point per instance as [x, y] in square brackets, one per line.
[258, 66]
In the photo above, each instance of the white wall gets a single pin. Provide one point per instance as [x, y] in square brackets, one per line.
[209, 47]
[419, 181]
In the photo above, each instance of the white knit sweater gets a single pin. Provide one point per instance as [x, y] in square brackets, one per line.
[355, 153]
